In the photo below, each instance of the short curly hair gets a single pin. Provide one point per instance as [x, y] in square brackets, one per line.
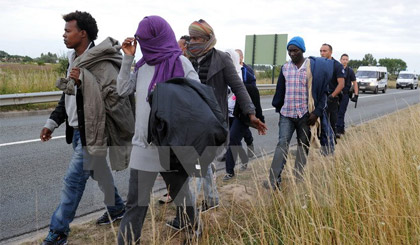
[85, 22]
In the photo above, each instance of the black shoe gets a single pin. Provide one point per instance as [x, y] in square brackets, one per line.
[250, 151]
[338, 135]
[177, 224]
[205, 207]
[108, 218]
[55, 238]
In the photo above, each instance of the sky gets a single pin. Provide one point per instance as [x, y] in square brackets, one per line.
[384, 28]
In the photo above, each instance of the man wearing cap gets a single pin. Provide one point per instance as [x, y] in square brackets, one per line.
[215, 68]
[300, 98]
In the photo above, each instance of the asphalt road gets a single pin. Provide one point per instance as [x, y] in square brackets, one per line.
[32, 171]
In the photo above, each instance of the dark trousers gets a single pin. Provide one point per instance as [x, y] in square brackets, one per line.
[236, 133]
[247, 134]
[139, 190]
[342, 112]
[332, 112]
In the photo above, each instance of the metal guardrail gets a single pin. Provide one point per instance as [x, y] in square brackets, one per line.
[29, 98]
[54, 96]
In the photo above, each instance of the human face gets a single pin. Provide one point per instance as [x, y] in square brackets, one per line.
[295, 54]
[73, 36]
[241, 57]
[182, 44]
[344, 60]
[197, 40]
[325, 51]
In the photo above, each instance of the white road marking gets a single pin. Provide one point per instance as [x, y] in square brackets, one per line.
[268, 109]
[30, 141]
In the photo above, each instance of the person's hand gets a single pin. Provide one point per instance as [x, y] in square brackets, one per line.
[74, 74]
[256, 123]
[355, 98]
[312, 119]
[129, 46]
[45, 134]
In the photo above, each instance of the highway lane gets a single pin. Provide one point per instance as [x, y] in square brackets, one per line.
[31, 179]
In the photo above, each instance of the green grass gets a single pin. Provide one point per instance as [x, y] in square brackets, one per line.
[27, 78]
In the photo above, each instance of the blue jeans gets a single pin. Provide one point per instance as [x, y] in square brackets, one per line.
[342, 112]
[236, 133]
[287, 126]
[327, 139]
[81, 167]
[211, 196]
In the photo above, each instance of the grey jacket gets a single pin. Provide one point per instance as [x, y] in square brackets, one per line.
[108, 118]
[221, 74]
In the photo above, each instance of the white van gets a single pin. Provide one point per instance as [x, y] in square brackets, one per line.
[407, 79]
[372, 78]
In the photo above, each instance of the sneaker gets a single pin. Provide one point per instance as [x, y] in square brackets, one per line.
[250, 150]
[55, 238]
[177, 224]
[165, 199]
[205, 207]
[268, 186]
[108, 218]
[228, 177]
[243, 167]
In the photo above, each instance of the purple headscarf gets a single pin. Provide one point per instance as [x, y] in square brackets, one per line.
[159, 48]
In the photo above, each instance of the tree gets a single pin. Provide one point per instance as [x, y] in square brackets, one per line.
[394, 66]
[354, 64]
[368, 60]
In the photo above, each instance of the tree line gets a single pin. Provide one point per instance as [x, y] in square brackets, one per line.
[394, 66]
[44, 58]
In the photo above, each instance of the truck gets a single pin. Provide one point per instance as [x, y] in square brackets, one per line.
[407, 79]
[372, 78]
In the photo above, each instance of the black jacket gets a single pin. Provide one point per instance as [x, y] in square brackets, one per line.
[255, 97]
[186, 116]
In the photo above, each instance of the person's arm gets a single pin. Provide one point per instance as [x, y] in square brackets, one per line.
[126, 81]
[278, 99]
[57, 117]
[242, 96]
[339, 69]
[354, 81]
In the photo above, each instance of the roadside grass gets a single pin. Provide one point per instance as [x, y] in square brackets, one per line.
[367, 193]
[27, 78]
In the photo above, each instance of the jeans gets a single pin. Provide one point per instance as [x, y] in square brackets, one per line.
[81, 167]
[236, 133]
[138, 199]
[211, 196]
[342, 112]
[287, 126]
[248, 137]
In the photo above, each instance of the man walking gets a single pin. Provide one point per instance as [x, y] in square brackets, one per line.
[335, 87]
[300, 98]
[95, 117]
[249, 78]
[349, 79]
[216, 69]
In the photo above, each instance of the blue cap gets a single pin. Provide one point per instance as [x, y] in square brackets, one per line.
[298, 42]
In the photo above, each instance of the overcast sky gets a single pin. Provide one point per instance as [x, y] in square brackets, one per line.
[384, 28]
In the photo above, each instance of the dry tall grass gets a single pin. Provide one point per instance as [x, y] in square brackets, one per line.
[27, 78]
[367, 193]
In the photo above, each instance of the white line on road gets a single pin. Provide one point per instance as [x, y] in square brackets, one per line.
[268, 109]
[29, 141]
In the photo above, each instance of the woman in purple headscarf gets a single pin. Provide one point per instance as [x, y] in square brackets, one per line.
[162, 59]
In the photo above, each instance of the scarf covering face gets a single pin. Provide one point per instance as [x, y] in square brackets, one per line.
[159, 48]
[201, 29]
